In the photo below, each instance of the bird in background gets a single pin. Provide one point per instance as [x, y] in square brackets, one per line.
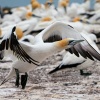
[70, 60]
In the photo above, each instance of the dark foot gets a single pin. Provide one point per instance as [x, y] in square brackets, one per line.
[17, 77]
[24, 80]
[84, 74]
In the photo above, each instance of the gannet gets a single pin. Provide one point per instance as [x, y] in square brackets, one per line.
[62, 6]
[70, 60]
[56, 37]
[26, 27]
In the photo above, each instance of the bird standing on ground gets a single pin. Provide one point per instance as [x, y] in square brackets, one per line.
[56, 37]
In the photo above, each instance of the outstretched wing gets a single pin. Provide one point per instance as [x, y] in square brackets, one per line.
[60, 30]
[11, 42]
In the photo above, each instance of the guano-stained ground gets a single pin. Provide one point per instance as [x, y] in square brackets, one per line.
[67, 84]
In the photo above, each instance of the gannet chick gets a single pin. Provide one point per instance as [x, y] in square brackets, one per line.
[56, 37]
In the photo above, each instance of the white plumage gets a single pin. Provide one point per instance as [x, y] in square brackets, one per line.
[71, 60]
[45, 45]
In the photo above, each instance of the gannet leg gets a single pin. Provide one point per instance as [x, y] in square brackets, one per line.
[17, 77]
[24, 80]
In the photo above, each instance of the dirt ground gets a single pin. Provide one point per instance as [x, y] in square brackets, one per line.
[67, 84]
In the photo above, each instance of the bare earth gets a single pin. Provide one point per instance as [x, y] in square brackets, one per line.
[67, 84]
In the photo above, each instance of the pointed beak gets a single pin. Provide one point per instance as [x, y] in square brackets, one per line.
[75, 42]
[36, 16]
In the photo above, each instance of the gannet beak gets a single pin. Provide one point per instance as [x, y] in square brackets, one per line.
[73, 42]
[36, 16]
[19, 32]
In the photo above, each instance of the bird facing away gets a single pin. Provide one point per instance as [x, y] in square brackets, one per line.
[56, 37]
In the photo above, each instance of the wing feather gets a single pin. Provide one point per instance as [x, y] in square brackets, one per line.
[63, 30]
[15, 46]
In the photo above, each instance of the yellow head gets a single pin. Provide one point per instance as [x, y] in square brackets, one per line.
[35, 5]
[67, 43]
[98, 1]
[62, 43]
[46, 19]
[28, 15]
[63, 3]
[32, 1]
[76, 19]
[19, 32]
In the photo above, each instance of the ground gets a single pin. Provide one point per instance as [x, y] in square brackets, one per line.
[67, 84]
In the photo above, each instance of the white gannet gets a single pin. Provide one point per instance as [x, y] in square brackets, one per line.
[62, 6]
[28, 38]
[56, 37]
[70, 60]
[25, 26]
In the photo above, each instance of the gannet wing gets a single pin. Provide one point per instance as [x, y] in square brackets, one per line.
[10, 42]
[60, 30]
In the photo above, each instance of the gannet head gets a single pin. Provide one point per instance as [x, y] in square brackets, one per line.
[35, 5]
[48, 3]
[47, 18]
[98, 1]
[33, 1]
[19, 32]
[63, 3]
[68, 43]
[28, 15]
[76, 19]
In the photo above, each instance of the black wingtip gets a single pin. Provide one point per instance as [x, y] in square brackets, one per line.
[14, 28]
[55, 70]
[60, 67]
